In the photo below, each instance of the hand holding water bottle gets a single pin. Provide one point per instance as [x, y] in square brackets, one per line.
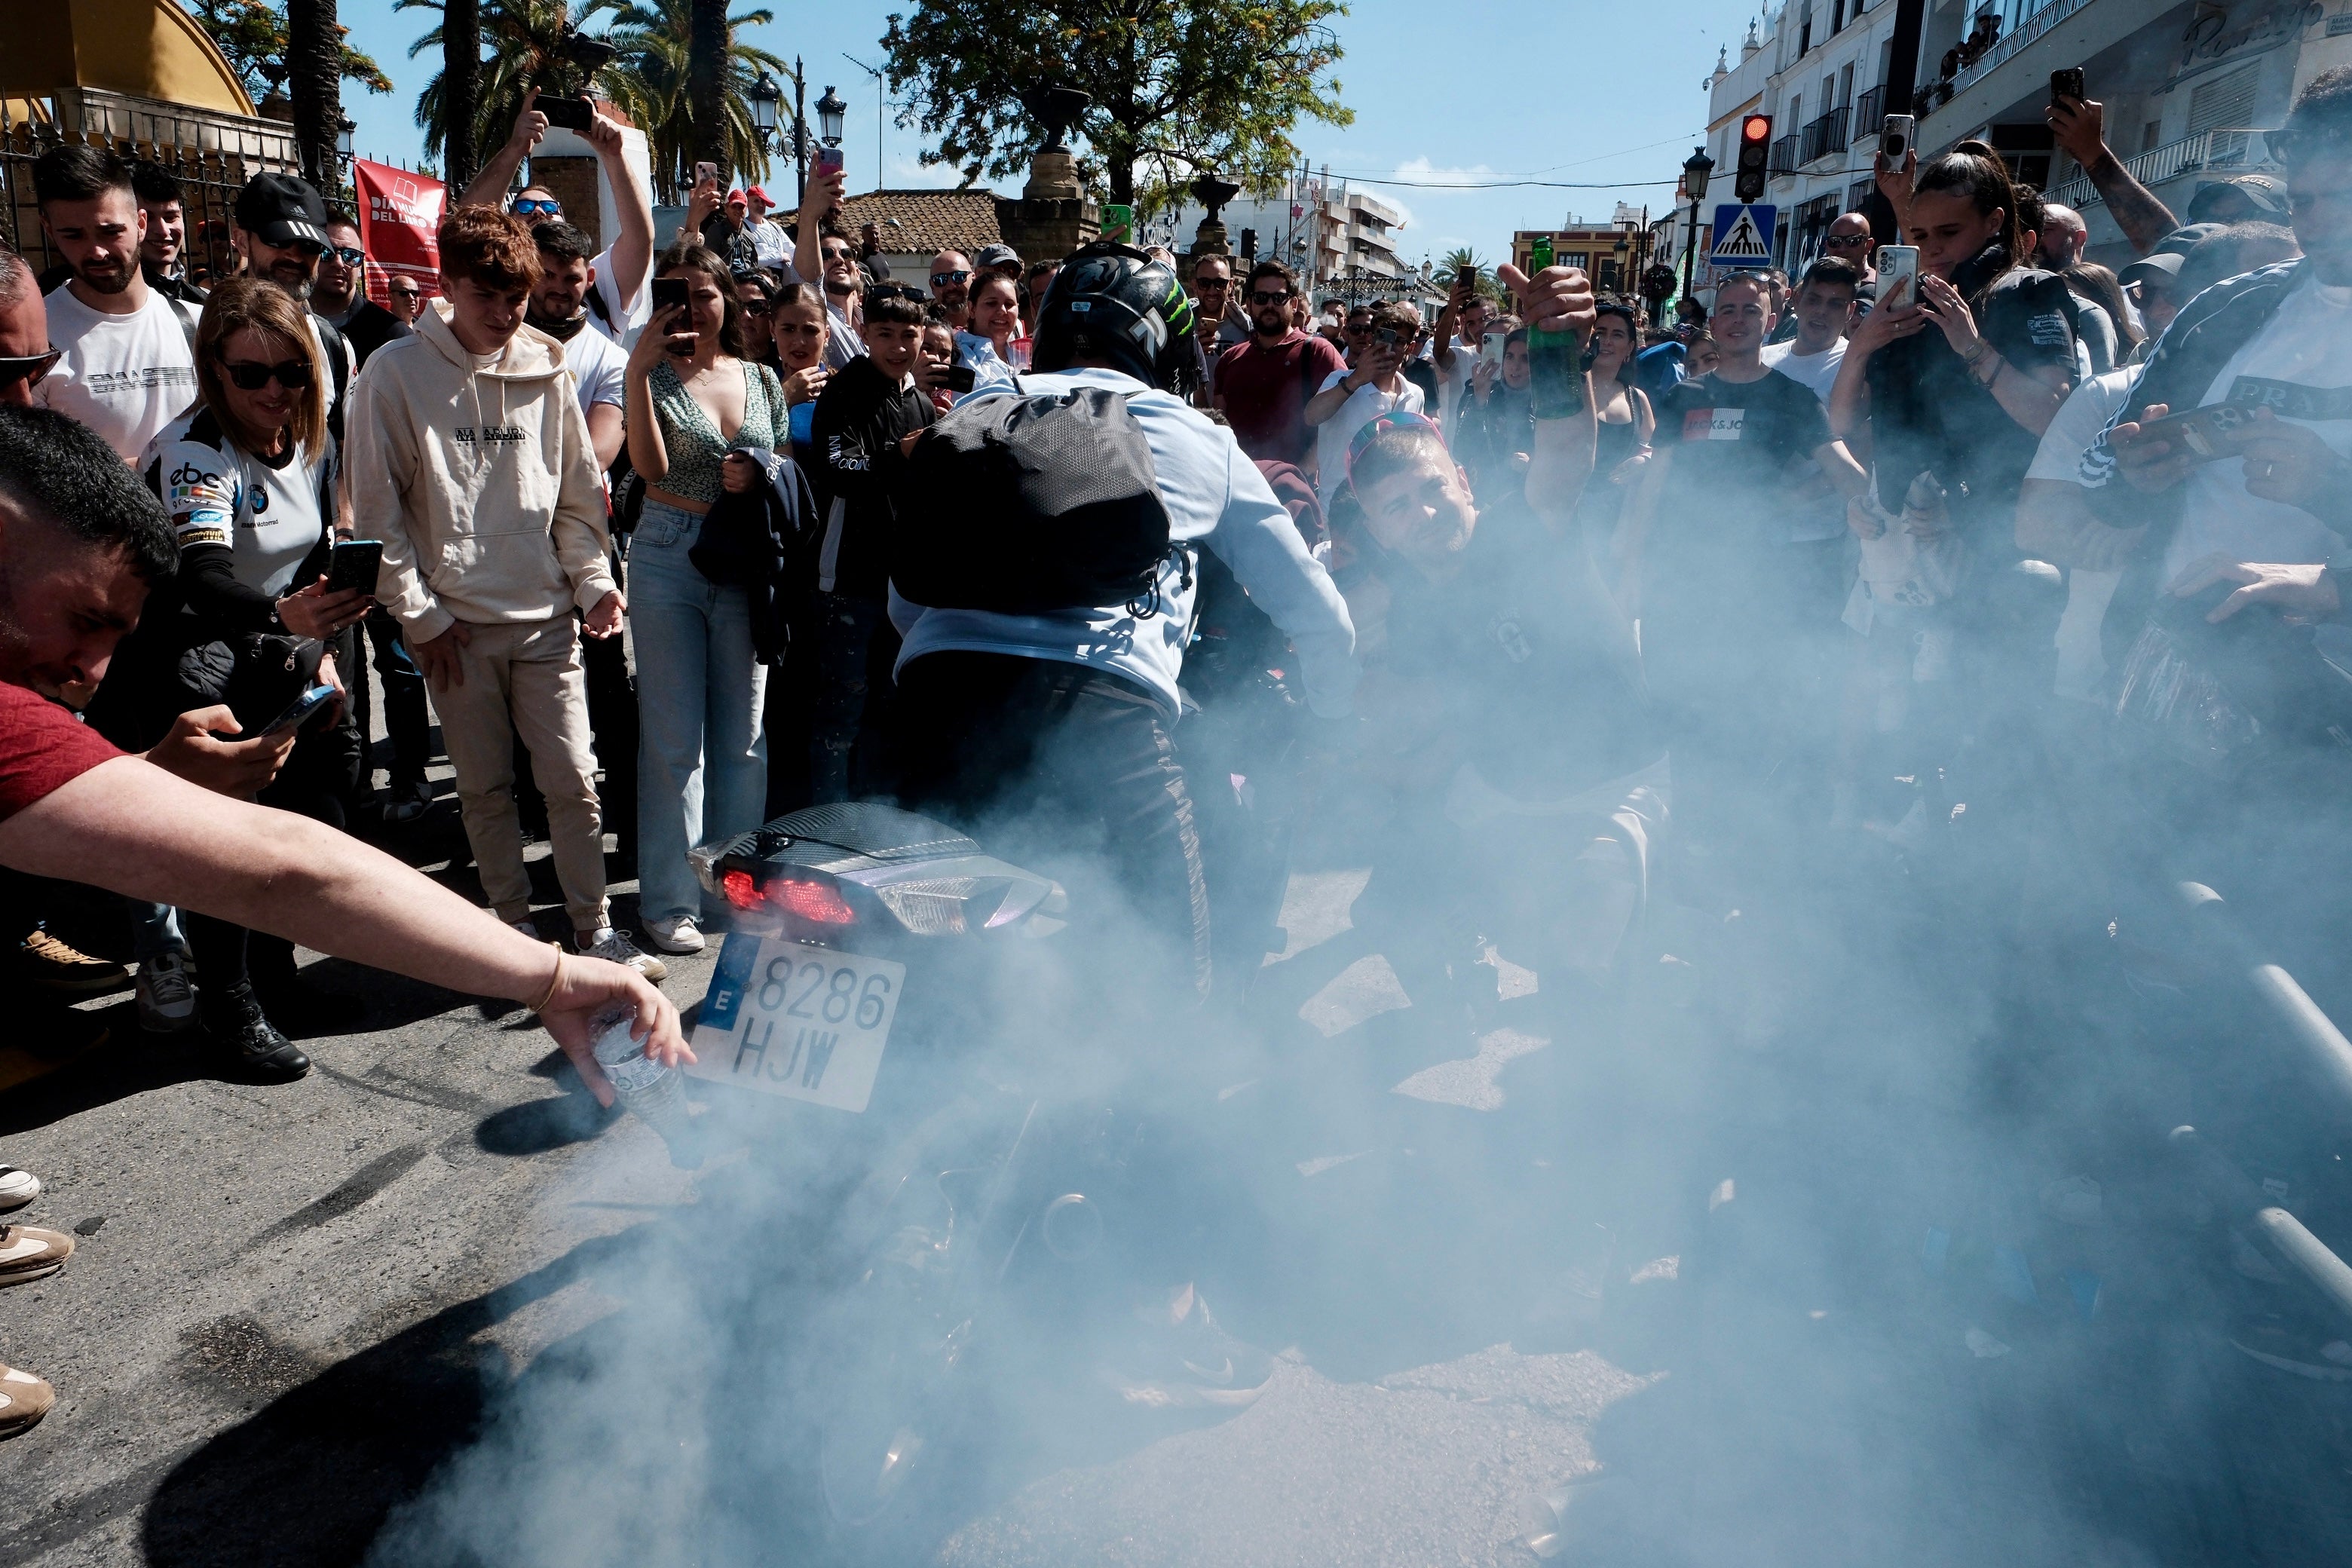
[584, 987]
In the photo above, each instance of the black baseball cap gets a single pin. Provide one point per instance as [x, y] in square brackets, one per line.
[283, 210]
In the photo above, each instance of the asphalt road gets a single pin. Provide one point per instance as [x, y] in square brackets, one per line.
[431, 1302]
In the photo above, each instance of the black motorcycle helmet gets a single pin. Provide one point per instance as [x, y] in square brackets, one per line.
[1113, 303]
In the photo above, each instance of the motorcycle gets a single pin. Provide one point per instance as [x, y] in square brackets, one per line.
[876, 1015]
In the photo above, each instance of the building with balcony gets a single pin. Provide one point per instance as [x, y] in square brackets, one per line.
[1818, 68]
[2187, 87]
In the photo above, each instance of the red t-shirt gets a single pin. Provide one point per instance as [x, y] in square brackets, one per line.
[1264, 393]
[42, 749]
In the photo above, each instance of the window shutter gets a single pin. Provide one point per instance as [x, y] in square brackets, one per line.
[2225, 103]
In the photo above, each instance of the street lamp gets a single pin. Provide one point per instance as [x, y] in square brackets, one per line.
[830, 110]
[1696, 169]
[344, 130]
[766, 96]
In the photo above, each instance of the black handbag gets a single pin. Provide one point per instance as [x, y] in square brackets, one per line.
[257, 675]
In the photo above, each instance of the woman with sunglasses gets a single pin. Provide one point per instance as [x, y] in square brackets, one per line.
[694, 394]
[248, 476]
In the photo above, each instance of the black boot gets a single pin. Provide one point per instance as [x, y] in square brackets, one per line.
[236, 1029]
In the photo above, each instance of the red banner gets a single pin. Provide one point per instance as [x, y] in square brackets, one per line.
[400, 217]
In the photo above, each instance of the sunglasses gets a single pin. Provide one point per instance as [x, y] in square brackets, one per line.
[405, 291]
[1261, 296]
[527, 208]
[894, 291]
[293, 375]
[838, 253]
[349, 255]
[1845, 242]
[942, 279]
[29, 368]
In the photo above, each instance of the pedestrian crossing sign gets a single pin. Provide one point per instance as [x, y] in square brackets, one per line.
[1743, 235]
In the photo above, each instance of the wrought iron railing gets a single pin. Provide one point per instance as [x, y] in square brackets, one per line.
[2032, 28]
[1869, 115]
[1825, 135]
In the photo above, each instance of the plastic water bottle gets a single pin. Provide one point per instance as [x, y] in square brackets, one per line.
[647, 1091]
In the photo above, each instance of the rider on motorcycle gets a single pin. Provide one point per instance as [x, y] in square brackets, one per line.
[1064, 722]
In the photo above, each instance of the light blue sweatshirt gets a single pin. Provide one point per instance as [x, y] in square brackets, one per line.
[1215, 497]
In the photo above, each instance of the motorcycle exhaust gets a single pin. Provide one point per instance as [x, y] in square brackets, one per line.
[1071, 1226]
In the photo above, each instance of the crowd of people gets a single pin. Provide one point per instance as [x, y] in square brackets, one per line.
[640, 530]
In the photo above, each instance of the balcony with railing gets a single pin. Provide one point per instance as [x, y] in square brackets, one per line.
[1784, 156]
[1825, 135]
[1869, 115]
[2232, 152]
[2031, 28]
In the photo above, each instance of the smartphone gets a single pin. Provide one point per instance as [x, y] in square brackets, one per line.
[1898, 269]
[302, 709]
[706, 171]
[2204, 432]
[354, 564]
[962, 378]
[1387, 338]
[570, 114]
[829, 160]
[669, 294]
[1894, 138]
[2067, 85]
[1490, 349]
[1467, 275]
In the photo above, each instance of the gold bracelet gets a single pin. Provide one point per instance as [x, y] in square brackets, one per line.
[553, 979]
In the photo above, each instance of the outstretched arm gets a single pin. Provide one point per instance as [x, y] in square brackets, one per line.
[488, 188]
[131, 827]
[1560, 464]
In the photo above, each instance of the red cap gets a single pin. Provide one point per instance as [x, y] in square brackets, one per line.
[765, 199]
[735, 199]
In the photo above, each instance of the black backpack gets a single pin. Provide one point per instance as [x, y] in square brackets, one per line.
[1029, 504]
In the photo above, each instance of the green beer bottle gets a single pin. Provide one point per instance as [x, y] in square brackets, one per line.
[1555, 364]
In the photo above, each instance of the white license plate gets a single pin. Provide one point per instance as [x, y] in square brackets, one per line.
[807, 1023]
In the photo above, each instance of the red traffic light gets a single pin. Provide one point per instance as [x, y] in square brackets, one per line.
[1756, 128]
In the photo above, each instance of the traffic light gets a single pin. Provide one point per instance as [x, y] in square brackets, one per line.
[1755, 156]
[1249, 245]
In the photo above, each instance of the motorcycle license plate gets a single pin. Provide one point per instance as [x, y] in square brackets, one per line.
[807, 1023]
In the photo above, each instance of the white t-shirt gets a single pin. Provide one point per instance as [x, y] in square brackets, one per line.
[2081, 659]
[626, 315]
[1816, 372]
[842, 343]
[269, 517]
[600, 367]
[1364, 405]
[126, 377]
[775, 246]
[2301, 366]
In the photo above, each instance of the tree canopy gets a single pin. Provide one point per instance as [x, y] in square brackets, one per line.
[252, 34]
[1180, 86]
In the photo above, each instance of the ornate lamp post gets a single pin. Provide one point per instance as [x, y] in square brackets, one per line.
[1696, 169]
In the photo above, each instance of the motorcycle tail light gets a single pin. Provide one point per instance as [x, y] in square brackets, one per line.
[740, 889]
[819, 903]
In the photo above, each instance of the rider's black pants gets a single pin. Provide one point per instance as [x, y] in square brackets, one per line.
[1074, 767]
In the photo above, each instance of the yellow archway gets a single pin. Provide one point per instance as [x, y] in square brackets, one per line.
[142, 48]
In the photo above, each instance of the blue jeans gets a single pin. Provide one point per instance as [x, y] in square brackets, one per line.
[702, 757]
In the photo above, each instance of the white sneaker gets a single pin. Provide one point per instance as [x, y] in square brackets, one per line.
[18, 1189]
[677, 934]
[616, 947]
[167, 996]
[527, 926]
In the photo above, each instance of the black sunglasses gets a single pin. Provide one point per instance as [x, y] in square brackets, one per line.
[293, 375]
[942, 279]
[1262, 298]
[1840, 241]
[350, 256]
[29, 368]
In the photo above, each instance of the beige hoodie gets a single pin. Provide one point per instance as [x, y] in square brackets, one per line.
[481, 484]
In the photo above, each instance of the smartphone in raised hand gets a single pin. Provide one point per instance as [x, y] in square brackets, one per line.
[829, 160]
[2067, 85]
[570, 114]
[1898, 274]
[1894, 138]
[703, 171]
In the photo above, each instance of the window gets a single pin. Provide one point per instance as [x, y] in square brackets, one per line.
[2224, 102]
[1837, 17]
[1805, 33]
[1846, 87]
[1796, 120]
[2149, 134]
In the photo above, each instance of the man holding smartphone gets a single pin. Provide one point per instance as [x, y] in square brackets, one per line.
[1351, 399]
[620, 304]
[1461, 326]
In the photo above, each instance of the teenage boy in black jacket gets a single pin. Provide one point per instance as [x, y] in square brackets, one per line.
[863, 418]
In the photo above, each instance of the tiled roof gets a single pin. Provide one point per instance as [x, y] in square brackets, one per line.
[926, 220]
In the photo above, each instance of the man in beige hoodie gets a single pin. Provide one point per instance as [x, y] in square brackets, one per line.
[469, 458]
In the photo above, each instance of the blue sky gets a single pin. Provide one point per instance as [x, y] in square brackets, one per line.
[1500, 89]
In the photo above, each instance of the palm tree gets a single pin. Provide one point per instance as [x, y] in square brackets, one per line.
[648, 78]
[314, 73]
[525, 39]
[653, 79]
[1450, 267]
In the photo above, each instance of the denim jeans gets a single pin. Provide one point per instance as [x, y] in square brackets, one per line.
[844, 643]
[702, 755]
